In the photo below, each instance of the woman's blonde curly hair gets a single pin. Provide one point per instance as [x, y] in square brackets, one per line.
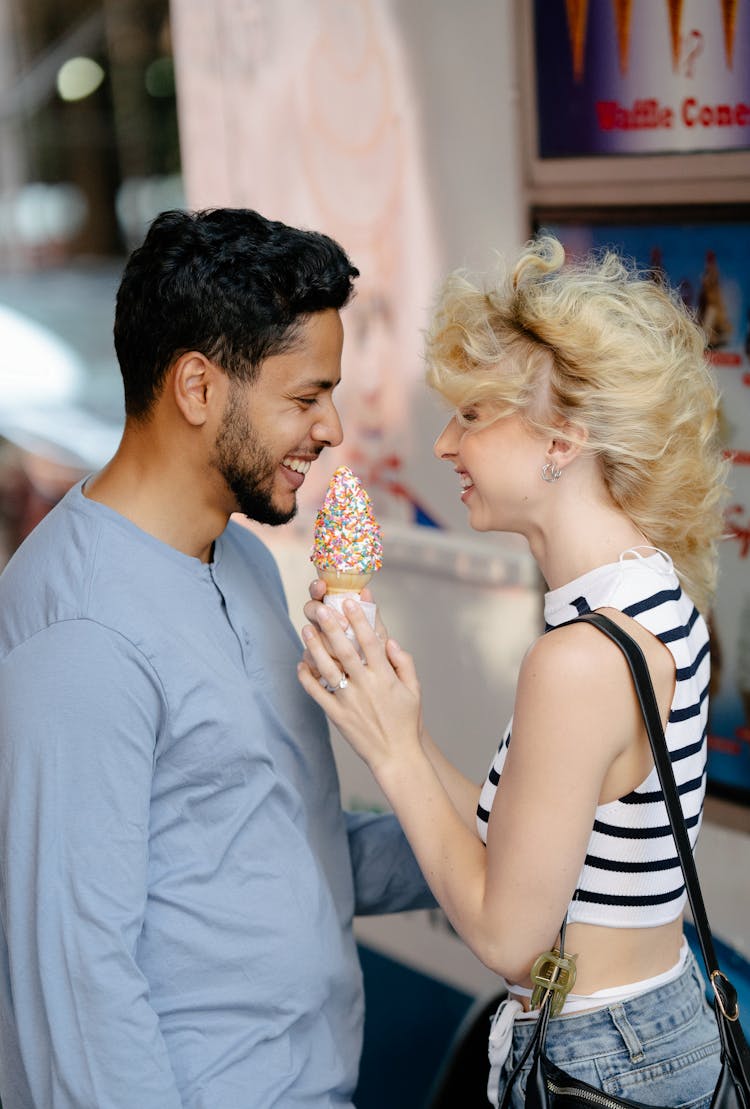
[608, 349]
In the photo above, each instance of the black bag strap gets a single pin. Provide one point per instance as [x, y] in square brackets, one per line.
[647, 699]
[735, 1049]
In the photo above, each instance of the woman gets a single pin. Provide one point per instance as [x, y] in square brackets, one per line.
[585, 420]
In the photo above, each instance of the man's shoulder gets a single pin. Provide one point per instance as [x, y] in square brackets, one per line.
[72, 567]
[43, 581]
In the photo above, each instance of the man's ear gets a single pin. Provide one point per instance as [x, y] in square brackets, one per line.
[198, 385]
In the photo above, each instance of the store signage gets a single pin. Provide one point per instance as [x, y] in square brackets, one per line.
[642, 76]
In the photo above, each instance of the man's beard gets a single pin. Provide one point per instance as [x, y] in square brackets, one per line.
[247, 467]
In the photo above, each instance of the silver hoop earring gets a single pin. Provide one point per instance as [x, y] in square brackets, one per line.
[551, 472]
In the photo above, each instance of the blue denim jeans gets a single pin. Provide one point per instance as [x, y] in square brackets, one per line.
[661, 1048]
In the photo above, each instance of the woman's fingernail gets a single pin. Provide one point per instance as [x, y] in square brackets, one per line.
[350, 607]
[307, 633]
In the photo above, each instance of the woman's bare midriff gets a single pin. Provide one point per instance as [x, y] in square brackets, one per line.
[617, 956]
[610, 957]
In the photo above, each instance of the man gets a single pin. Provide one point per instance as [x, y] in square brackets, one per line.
[177, 877]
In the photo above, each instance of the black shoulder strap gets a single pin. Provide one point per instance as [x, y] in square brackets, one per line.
[663, 763]
[734, 1083]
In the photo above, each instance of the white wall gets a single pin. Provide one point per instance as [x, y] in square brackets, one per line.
[464, 61]
[465, 68]
[722, 857]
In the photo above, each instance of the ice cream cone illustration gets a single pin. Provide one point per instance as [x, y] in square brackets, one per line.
[623, 13]
[347, 546]
[712, 313]
[729, 18]
[675, 29]
[577, 12]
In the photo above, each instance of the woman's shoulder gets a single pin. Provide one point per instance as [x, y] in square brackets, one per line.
[575, 647]
[574, 657]
[574, 683]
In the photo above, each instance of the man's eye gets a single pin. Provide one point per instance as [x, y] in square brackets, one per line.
[306, 401]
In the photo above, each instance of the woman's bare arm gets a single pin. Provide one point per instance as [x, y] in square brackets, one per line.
[574, 715]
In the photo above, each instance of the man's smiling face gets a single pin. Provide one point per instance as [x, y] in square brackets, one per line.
[274, 427]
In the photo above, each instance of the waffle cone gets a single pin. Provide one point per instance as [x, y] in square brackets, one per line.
[675, 29]
[729, 18]
[577, 13]
[338, 581]
[623, 15]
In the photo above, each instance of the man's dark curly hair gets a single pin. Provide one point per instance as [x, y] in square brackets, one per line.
[225, 282]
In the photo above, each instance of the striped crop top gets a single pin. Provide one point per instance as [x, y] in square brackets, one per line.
[631, 877]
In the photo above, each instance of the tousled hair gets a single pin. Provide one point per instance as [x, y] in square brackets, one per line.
[225, 282]
[594, 343]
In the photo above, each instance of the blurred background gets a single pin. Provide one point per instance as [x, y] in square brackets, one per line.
[423, 135]
[89, 152]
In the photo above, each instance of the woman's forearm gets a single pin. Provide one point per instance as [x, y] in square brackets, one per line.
[463, 793]
[452, 856]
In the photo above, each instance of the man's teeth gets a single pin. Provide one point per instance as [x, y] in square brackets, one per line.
[299, 465]
[465, 481]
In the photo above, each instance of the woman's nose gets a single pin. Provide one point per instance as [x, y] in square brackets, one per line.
[446, 442]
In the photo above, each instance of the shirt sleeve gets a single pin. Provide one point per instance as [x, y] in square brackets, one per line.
[79, 714]
[387, 878]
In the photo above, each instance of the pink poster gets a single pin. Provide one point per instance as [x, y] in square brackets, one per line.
[304, 110]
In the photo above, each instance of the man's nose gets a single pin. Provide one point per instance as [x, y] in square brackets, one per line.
[328, 429]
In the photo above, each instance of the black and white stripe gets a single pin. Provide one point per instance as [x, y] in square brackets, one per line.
[631, 876]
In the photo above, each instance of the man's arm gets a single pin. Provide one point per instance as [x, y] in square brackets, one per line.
[79, 712]
[387, 878]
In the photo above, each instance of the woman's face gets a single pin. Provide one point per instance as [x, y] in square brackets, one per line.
[499, 467]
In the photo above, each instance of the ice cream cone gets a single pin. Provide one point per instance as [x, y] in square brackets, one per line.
[346, 538]
[347, 548]
[623, 14]
[577, 12]
[343, 587]
[729, 18]
[339, 581]
[675, 29]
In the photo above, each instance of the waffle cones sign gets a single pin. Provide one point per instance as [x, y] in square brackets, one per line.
[642, 76]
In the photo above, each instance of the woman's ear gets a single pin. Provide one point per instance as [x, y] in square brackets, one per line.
[568, 446]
